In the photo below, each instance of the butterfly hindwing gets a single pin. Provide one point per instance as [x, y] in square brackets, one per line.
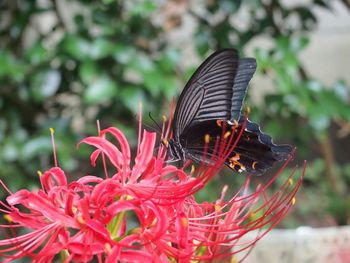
[251, 154]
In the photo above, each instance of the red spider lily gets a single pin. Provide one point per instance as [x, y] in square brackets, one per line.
[144, 212]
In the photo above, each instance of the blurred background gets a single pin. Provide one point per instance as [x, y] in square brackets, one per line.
[67, 63]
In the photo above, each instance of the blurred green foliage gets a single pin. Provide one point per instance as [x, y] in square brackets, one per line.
[64, 64]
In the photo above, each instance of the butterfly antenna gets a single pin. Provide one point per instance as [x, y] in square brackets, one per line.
[156, 123]
[145, 125]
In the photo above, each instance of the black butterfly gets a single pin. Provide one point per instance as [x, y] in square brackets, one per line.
[212, 99]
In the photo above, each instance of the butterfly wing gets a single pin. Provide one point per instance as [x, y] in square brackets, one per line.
[245, 72]
[214, 93]
[208, 93]
[254, 153]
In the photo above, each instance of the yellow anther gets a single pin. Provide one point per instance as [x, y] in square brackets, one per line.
[39, 173]
[80, 220]
[251, 216]
[165, 142]
[217, 207]
[184, 222]
[164, 118]
[207, 138]
[233, 259]
[193, 168]
[227, 134]
[129, 197]
[290, 181]
[52, 130]
[247, 110]
[136, 230]
[8, 218]
[293, 200]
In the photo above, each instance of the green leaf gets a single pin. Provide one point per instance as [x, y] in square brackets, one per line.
[170, 86]
[10, 151]
[100, 48]
[169, 60]
[142, 63]
[45, 84]
[11, 67]
[123, 54]
[88, 71]
[100, 90]
[323, 3]
[76, 46]
[230, 6]
[319, 118]
[37, 54]
[202, 38]
[342, 91]
[153, 82]
[283, 43]
[143, 8]
[107, 2]
[299, 43]
[130, 96]
[35, 147]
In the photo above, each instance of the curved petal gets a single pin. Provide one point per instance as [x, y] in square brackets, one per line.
[124, 145]
[144, 156]
[53, 177]
[111, 151]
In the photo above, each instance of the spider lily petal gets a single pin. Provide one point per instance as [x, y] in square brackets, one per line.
[144, 212]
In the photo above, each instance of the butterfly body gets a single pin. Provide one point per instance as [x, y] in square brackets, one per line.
[209, 111]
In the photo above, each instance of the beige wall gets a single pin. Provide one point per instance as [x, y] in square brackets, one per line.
[328, 56]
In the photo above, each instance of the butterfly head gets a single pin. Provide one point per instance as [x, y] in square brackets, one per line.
[175, 150]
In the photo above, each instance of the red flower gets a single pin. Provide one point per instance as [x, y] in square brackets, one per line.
[143, 212]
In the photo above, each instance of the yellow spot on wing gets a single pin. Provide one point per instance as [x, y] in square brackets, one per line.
[207, 138]
[234, 162]
[219, 123]
[235, 158]
[254, 165]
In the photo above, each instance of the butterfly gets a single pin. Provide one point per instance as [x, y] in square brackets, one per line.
[213, 99]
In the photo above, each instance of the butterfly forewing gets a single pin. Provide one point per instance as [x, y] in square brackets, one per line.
[245, 72]
[208, 94]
